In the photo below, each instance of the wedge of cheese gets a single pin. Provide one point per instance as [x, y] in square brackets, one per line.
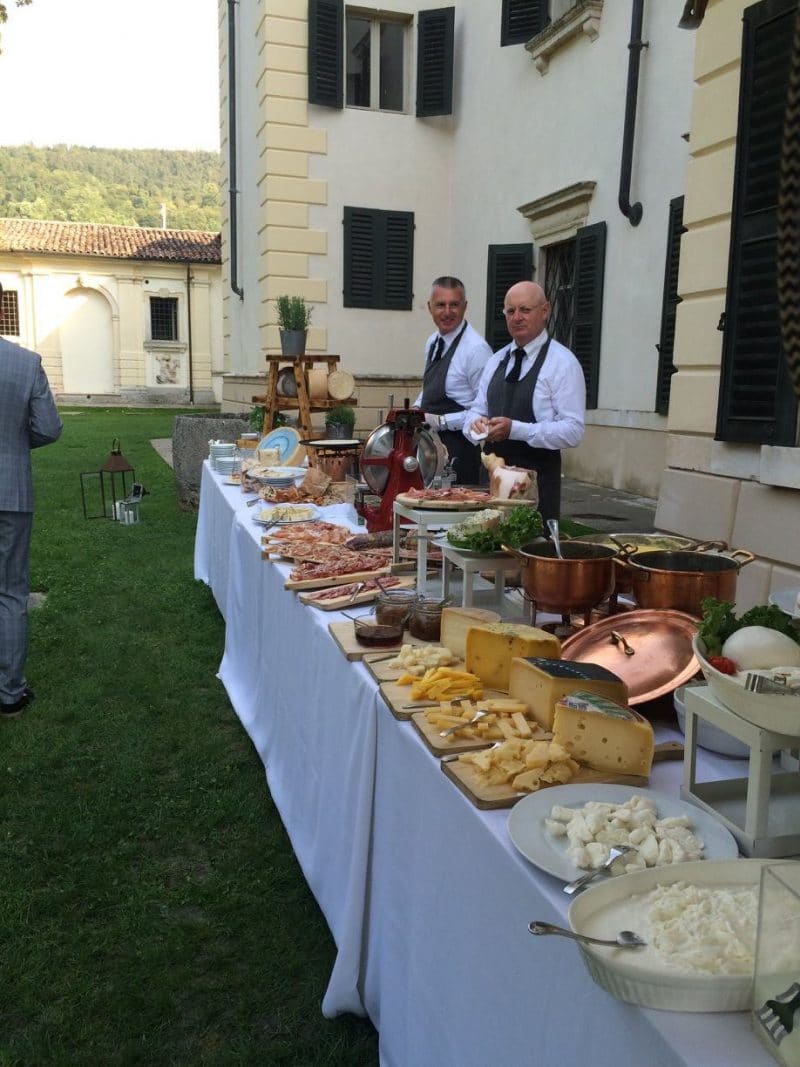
[456, 622]
[491, 648]
[603, 735]
[541, 683]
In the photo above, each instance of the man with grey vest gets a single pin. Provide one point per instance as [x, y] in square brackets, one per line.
[28, 419]
[531, 399]
[455, 357]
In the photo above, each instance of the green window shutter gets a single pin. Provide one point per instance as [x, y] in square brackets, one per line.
[523, 19]
[756, 402]
[669, 305]
[507, 265]
[435, 31]
[325, 52]
[378, 258]
[590, 258]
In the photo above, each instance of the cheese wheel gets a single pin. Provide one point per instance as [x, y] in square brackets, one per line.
[541, 683]
[603, 735]
[318, 383]
[341, 384]
[456, 622]
[490, 649]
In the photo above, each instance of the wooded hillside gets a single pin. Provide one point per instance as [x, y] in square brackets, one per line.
[122, 186]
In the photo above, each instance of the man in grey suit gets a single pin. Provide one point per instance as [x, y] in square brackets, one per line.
[28, 419]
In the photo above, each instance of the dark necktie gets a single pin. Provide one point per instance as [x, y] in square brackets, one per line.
[513, 374]
[437, 347]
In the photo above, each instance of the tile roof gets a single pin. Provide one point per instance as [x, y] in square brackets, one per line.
[116, 242]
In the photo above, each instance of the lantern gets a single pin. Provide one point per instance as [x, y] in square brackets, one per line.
[106, 486]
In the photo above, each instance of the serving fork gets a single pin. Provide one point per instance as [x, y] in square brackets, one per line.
[613, 855]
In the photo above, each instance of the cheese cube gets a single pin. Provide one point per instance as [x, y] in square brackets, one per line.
[542, 682]
[456, 622]
[491, 648]
[603, 735]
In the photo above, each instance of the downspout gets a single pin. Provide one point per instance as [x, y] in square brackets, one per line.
[189, 329]
[632, 212]
[233, 191]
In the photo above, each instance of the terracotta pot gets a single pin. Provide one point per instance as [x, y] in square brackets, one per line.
[576, 583]
[681, 580]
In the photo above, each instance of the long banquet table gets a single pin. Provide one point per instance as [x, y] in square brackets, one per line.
[426, 897]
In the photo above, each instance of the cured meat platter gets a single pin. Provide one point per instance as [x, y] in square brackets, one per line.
[336, 579]
[471, 501]
[339, 597]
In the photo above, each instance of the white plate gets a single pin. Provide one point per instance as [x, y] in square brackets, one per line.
[309, 514]
[639, 976]
[285, 472]
[284, 438]
[786, 600]
[527, 831]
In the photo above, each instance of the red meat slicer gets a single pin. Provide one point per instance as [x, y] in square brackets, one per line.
[401, 454]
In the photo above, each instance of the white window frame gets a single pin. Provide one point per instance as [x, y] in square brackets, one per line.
[375, 17]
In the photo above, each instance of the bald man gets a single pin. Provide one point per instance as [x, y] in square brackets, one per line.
[531, 398]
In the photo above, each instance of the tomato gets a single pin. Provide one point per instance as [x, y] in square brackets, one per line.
[723, 664]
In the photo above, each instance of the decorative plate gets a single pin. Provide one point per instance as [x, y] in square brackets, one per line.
[285, 439]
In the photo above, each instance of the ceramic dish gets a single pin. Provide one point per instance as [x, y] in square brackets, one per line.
[335, 442]
[709, 736]
[527, 830]
[771, 711]
[285, 514]
[786, 600]
[285, 440]
[640, 976]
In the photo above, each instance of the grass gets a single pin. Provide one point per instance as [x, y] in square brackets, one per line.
[151, 909]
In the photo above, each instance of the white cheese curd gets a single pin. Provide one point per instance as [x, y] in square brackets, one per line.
[704, 929]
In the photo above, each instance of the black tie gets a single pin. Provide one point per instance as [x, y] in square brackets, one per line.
[513, 374]
[437, 347]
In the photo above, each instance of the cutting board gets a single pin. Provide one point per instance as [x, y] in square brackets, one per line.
[337, 579]
[343, 634]
[455, 743]
[397, 695]
[441, 505]
[468, 779]
[380, 670]
[335, 603]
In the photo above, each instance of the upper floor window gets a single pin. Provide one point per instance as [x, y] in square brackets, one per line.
[523, 19]
[163, 318]
[9, 324]
[375, 62]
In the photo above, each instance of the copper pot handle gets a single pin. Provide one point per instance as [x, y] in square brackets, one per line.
[516, 552]
[747, 557]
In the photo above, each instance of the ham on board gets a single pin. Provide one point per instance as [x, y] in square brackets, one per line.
[507, 483]
[336, 591]
[455, 494]
[341, 562]
[328, 532]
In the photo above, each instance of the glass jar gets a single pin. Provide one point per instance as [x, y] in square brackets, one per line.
[392, 608]
[776, 986]
[425, 621]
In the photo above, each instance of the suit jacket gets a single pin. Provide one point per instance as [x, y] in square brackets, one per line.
[28, 419]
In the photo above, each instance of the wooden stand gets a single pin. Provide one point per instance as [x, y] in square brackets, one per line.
[301, 403]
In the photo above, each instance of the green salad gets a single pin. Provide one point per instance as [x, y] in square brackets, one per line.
[488, 531]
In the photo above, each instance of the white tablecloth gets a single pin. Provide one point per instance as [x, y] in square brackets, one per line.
[426, 897]
[219, 503]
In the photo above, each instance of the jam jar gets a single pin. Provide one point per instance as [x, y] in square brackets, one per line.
[393, 607]
[425, 621]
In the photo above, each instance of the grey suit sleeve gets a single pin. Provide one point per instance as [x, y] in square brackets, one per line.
[44, 422]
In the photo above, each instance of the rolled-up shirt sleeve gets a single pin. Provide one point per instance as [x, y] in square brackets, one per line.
[559, 410]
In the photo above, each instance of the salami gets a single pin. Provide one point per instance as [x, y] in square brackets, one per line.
[343, 562]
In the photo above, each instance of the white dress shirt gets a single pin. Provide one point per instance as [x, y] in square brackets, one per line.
[559, 399]
[464, 372]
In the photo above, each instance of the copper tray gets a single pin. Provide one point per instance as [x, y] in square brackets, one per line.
[663, 657]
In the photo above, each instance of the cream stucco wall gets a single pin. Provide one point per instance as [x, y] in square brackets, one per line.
[88, 317]
[515, 136]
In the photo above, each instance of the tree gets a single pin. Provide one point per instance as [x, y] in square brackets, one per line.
[4, 9]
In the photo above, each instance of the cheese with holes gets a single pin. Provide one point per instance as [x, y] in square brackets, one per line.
[491, 648]
[541, 683]
[603, 735]
[456, 622]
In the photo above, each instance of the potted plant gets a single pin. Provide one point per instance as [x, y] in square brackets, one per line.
[339, 421]
[294, 316]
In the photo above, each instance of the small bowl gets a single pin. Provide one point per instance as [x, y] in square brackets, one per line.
[368, 631]
[709, 736]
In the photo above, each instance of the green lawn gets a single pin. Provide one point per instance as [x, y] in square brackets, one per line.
[151, 909]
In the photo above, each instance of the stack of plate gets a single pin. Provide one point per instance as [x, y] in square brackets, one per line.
[226, 464]
[221, 450]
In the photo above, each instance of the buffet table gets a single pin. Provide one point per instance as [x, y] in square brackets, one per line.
[426, 897]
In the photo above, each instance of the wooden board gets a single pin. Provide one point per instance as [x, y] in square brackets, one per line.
[454, 743]
[335, 603]
[380, 670]
[468, 779]
[397, 696]
[441, 505]
[337, 579]
[343, 634]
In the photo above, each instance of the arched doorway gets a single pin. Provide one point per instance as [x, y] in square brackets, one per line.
[87, 343]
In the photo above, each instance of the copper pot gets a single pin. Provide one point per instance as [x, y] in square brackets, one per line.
[682, 580]
[640, 542]
[576, 583]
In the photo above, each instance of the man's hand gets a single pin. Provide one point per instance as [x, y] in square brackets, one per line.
[432, 420]
[499, 428]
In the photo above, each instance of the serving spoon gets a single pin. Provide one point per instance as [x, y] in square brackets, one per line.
[624, 939]
[552, 526]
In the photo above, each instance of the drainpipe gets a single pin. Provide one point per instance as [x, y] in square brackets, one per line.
[189, 329]
[233, 191]
[632, 212]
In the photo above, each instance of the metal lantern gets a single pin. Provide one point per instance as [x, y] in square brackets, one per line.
[105, 487]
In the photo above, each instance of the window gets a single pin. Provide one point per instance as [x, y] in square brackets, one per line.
[559, 285]
[757, 404]
[523, 19]
[163, 318]
[507, 265]
[378, 258]
[9, 324]
[358, 57]
[669, 306]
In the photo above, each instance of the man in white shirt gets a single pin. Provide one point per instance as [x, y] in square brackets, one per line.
[531, 398]
[456, 355]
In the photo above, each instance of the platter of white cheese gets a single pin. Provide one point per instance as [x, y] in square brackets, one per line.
[528, 819]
